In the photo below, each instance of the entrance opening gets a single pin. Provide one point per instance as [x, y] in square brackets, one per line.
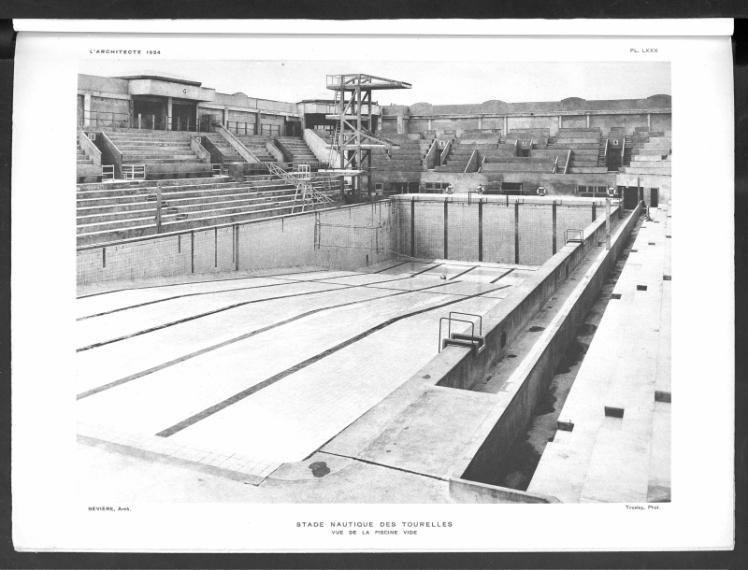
[183, 116]
[654, 197]
[149, 113]
[630, 197]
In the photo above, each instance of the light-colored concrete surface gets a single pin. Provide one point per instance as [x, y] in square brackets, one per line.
[315, 380]
[611, 459]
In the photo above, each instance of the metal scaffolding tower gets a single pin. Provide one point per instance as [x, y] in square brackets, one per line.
[354, 138]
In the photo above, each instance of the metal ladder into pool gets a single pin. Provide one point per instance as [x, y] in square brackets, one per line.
[475, 342]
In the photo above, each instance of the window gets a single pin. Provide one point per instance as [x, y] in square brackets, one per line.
[269, 129]
[592, 191]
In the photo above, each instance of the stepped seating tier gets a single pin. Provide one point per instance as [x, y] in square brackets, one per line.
[408, 157]
[110, 214]
[163, 152]
[518, 164]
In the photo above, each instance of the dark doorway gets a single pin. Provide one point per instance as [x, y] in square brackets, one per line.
[654, 197]
[293, 128]
[149, 114]
[630, 197]
[183, 116]
[512, 188]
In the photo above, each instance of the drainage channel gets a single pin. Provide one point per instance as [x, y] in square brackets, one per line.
[520, 463]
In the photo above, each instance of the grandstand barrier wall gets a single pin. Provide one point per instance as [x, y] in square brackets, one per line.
[341, 238]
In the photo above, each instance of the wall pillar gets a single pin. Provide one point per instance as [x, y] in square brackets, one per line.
[168, 114]
[400, 124]
[480, 122]
[649, 121]
[587, 118]
[225, 117]
[87, 110]
[506, 125]
[258, 124]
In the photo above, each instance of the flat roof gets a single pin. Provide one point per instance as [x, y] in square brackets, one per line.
[168, 78]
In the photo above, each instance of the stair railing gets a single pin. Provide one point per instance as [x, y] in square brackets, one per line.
[237, 145]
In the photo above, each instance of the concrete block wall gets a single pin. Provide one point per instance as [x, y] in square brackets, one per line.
[277, 243]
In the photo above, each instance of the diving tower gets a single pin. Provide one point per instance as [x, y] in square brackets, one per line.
[354, 137]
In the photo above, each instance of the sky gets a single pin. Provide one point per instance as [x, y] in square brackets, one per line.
[433, 82]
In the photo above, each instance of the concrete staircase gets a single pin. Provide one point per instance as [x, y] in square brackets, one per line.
[457, 158]
[221, 150]
[256, 145]
[111, 212]
[296, 150]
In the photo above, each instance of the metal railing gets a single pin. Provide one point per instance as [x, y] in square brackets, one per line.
[574, 236]
[107, 172]
[461, 339]
[109, 119]
[133, 171]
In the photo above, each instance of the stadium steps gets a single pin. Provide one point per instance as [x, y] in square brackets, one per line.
[296, 150]
[131, 211]
[256, 145]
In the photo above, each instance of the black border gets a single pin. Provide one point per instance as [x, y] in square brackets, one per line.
[384, 9]
[371, 9]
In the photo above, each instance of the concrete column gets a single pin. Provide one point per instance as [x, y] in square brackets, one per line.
[480, 122]
[87, 110]
[225, 117]
[506, 125]
[197, 118]
[400, 124]
[649, 121]
[412, 227]
[168, 114]
[553, 216]
[258, 124]
[560, 122]
[480, 229]
[587, 118]
[446, 228]
[516, 232]
[429, 125]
